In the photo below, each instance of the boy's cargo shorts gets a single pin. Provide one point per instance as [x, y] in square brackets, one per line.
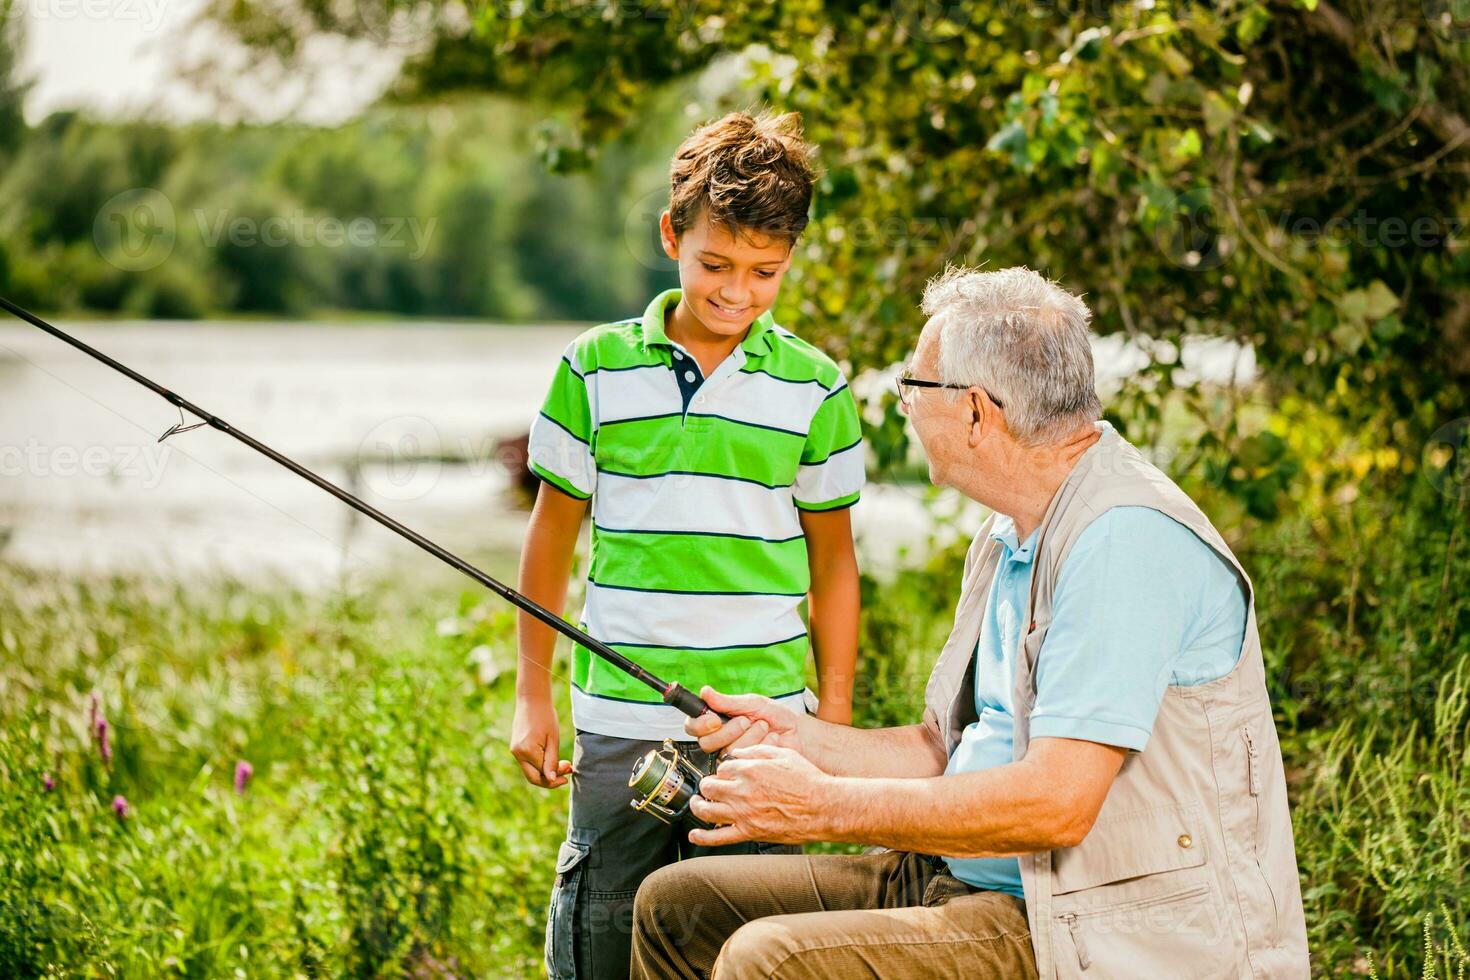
[609, 850]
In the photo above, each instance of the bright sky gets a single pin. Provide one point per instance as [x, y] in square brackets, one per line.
[118, 57]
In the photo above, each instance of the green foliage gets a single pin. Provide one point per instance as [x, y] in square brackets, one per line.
[1384, 810]
[1285, 174]
[12, 87]
[904, 625]
[400, 862]
[443, 214]
[386, 831]
[1183, 164]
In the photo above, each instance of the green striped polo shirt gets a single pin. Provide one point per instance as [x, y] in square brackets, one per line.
[698, 563]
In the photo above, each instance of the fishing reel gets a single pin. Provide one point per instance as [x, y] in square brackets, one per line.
[663, 783]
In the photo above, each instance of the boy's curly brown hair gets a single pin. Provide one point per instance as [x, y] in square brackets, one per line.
[747, 173]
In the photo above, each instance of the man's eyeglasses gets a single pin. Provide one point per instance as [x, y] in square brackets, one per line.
[906, 380]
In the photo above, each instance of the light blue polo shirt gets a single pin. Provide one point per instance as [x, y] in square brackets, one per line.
[1141, 603]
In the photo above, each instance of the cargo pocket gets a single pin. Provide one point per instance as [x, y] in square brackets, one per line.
[571, 867]
[1177, 934]
[1136, 899]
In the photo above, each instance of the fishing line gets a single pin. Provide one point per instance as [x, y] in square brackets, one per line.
[665, 778]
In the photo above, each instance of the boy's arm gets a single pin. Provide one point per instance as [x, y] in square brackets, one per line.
[546, 561]
[832, 609]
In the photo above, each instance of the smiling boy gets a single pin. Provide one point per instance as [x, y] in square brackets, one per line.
[719, 454]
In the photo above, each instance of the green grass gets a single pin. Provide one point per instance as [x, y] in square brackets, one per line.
[386, 831]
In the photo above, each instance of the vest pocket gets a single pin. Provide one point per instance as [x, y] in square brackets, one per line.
[1177, 934]
[1137, 899]
[571, 865]
[1132, 845]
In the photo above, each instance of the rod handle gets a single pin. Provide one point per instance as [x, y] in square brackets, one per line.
[687, 701]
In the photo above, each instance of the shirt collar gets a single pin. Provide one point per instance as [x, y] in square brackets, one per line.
[757, 338]
[1004, 531]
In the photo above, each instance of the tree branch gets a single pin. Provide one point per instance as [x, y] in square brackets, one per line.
[1445, 123]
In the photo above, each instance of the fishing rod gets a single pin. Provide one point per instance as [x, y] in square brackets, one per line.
[666, 779]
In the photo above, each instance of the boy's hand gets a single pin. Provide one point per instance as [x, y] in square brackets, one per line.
[754, 720]
[535, 741]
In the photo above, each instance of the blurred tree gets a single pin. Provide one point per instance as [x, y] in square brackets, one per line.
[437, 210]
[1289, 174]
[13, 87]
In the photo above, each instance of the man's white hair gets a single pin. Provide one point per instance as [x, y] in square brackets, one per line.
[1022, 338]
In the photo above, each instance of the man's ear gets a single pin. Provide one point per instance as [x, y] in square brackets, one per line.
[979, 404]
[667, 238]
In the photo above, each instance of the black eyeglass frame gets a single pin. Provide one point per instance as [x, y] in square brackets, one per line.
[906, 380]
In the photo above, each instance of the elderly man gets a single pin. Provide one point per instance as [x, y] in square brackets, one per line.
[1096, 789]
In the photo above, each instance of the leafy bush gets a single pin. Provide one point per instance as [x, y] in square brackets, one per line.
[384, 830]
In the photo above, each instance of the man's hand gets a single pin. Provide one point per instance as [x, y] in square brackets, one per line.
[535, 741]
[765, 793]
[754, 720]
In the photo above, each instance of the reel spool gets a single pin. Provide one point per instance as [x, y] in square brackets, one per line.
[663, 783]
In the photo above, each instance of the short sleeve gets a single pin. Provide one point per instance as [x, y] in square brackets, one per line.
[560, 450]
[1140, 603]
[832, 471]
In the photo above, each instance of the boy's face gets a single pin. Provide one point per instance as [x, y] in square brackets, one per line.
[728, 280]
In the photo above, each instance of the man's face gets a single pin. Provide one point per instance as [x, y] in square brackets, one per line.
[941, 418]
[728, 280]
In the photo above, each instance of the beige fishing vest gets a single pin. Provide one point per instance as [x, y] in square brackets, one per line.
[1190, 870]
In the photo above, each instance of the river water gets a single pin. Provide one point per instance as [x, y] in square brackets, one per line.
[405, 415]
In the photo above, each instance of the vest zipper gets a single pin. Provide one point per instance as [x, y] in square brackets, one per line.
[1083, 960]
[1252, 768]
[1253, 777]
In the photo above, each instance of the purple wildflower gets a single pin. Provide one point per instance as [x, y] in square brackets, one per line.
[47, 781]
[120, 807]
[243, 772]
[104, 746]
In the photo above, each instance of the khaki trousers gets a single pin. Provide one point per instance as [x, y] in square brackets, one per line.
[889, 915]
